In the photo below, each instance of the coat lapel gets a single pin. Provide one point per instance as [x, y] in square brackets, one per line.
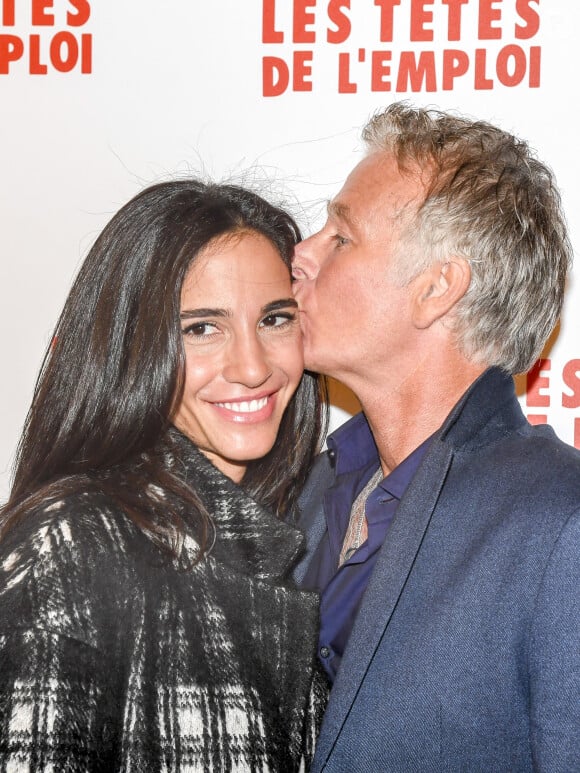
[249, 538]
[393, 567]
[311, 520]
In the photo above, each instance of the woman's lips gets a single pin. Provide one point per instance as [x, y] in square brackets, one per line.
[249, 411]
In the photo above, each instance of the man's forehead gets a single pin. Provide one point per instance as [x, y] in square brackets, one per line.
[375, 187]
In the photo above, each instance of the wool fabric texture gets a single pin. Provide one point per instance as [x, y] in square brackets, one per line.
[114, 657]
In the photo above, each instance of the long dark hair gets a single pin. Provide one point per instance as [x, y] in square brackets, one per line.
[100, 412]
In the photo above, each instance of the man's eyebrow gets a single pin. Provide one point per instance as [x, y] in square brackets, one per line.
[282, 303]
[341, 211]
[198, 313]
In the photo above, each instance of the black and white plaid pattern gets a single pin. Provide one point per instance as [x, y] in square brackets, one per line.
[114, 659]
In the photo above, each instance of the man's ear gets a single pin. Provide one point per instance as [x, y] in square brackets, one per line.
[437, 289]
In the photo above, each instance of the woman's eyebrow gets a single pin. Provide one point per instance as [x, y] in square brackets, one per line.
[283, 303]
[197, 313]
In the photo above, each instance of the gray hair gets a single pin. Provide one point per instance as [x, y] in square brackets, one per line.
[491, 201]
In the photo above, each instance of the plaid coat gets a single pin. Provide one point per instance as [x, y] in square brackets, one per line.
[112, 658]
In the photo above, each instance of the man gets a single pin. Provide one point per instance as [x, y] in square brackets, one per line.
[444, 530]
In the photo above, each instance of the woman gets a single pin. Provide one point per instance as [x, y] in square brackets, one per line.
[147, 619]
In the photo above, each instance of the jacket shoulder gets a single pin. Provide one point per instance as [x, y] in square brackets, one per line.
[82, 518]
[63, 562]
[311, 519]
[320, 478]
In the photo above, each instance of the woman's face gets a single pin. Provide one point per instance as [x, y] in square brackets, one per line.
[243, 350]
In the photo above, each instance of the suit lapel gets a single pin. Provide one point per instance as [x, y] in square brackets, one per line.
[312, 520]
[392, 569]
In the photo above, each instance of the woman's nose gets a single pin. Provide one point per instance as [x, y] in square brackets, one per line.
[247, 362]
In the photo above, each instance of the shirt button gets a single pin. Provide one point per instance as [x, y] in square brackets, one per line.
[324, 652]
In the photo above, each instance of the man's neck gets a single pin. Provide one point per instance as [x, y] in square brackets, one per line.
[402, 415]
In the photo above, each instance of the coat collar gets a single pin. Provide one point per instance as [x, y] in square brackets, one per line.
[487, 405]
[249, 538]
[488, 409]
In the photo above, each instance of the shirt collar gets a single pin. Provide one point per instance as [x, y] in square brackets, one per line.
[397, 481]
[352, 446]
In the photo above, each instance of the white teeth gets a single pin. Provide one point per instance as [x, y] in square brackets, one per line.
[247, 406]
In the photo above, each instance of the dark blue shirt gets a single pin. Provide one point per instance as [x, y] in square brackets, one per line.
[356, 459]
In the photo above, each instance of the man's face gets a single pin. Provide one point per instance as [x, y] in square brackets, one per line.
[355, 313]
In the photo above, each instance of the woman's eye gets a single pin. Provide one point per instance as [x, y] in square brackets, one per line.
[341, 241]
[199, 330]
[278, 320]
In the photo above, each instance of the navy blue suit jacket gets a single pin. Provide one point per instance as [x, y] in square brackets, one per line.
[465, 655]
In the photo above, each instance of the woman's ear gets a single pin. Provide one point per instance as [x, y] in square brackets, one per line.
[437, 289]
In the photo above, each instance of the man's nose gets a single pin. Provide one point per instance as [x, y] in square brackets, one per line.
[304, 262]
[247, 362]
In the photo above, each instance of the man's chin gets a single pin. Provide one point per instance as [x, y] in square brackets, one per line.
[311, 361]
[315, 365]
[316, 359]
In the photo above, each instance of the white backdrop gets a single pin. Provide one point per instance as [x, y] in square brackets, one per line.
[100, 98]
